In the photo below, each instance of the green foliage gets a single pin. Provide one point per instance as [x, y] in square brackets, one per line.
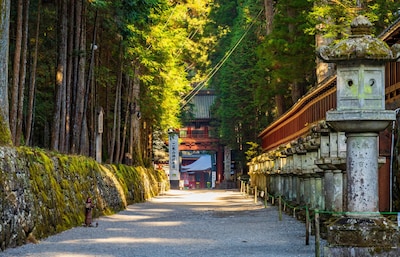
[171, 46]
[253, 151]
[99, 3]
[288, 52]
[238, 118]
[5, 135]
[133, 13]
[333, 20]
[165, 45]
[171, 53]
[281, 63]
[386, 12]
[261, 67]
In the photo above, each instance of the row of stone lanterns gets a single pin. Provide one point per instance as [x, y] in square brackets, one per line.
[307, 171]
[338, 169]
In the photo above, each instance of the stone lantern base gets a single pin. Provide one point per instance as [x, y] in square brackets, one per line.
[362, 237]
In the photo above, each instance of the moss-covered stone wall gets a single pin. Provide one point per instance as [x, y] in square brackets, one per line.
[43, 193]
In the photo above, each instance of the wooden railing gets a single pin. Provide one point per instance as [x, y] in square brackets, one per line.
[313, 107]
[392, 93]
[297, 121]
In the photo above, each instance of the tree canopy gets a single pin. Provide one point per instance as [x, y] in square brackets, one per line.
[134, 62]
[274, 64]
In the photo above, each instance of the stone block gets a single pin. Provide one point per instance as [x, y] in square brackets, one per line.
[361, 252]
[363, 232]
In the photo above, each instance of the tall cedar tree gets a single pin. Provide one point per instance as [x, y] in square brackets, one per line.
[5, 135]
[239, 115]
[136, 59]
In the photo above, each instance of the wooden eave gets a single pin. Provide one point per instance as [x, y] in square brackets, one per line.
[391, 35]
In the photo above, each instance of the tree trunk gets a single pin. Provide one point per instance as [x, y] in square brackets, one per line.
[297, 91]
[107, 124]
[63, 108]
[149, 143]
[21, 87]
[269, 15]
[81, 96]
[280, 104]
[32, 84]
[80, 82]
[118, 100]
[129, 110]
[114, 148]
[76, 24]
[70, 79]
[136, 122]
[89, 96]
[16, 68]
[115, 143]
[60, 73]
[5, 134]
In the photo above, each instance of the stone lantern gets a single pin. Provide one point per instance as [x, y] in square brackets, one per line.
[361, 114]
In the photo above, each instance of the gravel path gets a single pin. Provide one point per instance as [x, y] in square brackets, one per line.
[182, 223]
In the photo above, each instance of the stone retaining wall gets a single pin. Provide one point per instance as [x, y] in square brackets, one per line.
[43, 193]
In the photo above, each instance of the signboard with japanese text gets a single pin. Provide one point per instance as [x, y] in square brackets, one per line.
[227, 163]
[173, 156]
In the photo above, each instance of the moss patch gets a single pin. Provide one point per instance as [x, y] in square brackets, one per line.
[54, 188]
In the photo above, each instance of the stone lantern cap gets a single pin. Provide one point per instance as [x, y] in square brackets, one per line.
[359, 46]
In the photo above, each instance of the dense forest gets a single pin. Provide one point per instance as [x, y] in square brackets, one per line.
[122, 70]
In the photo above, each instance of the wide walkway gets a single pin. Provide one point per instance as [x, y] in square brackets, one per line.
[182, 223]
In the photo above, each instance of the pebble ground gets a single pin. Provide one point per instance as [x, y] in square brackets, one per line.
[196, 223]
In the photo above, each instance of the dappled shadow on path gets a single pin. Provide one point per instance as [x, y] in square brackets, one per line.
[182, 223]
